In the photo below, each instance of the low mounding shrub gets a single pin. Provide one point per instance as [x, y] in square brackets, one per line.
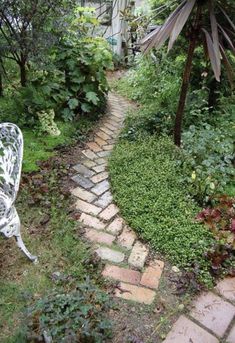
[147, 186]
[78, 316]
[207, 160]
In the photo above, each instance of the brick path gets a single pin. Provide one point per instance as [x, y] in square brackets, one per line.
[212, 318]
[125, 256]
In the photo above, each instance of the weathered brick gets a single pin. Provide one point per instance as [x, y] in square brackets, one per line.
[107, 131]
[104, 200]
[213, 312]
[94, 146]
[99, 177]
[231, 336]
[103, 153]
[83, 194]
[113, 123]
[110, 254]
[152, 274]
[121, 274]
[135, 293]
[116, 226]
[127, 238]
[101, 187]
[100, 141]
[100, 168]
[138, 255]
[110, 126]
[92, 222]
[83, 170]
[82, 181]
[88, 163]
[108, 147]
[84, 206]
[101, 161]
[103, 135]
[89, 154]
[99, 237]
[185, 331]
[109, 212]
[226, 288]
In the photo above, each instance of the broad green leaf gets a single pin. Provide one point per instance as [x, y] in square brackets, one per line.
[73, 103]
[92, 97]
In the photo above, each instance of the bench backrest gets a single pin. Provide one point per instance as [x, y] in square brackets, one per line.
[11, 155]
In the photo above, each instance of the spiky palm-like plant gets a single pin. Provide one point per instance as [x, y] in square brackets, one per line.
[208, 24]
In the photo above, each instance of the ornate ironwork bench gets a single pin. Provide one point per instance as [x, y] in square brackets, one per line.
[11, 155]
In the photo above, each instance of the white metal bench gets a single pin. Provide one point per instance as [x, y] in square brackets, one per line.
[11, 154]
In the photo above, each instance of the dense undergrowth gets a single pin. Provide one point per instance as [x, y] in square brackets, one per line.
[34, 297]
[160, 188]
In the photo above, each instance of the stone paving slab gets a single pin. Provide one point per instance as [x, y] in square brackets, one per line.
[213, 312]
[226, 288]
[231, 336]
[185, 331]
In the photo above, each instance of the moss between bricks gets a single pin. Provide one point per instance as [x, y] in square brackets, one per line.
[146, 186]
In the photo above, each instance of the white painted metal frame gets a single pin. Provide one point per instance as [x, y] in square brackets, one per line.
[11, 155]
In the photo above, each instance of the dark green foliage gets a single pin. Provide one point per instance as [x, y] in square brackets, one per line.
[84, 63]
[207, 159]
[147, 186]
[78, 316]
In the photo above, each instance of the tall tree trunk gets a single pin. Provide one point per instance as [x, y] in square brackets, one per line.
[1, 77]
[23, 74]
[1, 84]
[186, 79]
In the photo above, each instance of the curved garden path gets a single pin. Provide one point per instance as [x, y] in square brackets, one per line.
[127, 260]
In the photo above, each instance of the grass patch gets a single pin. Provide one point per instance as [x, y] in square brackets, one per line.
[146, 186]
[41, 147]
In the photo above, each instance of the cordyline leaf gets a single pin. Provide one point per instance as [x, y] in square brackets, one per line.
[215, 35]
[180, 22]
[228, 67]
[212, 55]
[226, 36]
[228, 19]
[158, 37]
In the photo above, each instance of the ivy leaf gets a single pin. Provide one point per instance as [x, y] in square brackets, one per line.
[92, 97]
[73, 103]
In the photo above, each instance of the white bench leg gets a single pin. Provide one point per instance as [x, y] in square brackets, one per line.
[13, 229]
[20, 243]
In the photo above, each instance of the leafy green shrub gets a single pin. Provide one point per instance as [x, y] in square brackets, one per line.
[84, 62]
[207, 160]
[78, 316]
[147, 186]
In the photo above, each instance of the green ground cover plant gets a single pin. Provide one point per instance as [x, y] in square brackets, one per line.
[147, 186]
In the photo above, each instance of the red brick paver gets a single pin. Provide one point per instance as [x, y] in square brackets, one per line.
[122, 274]
[151, 276]
[99, 237]
[135, 293]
